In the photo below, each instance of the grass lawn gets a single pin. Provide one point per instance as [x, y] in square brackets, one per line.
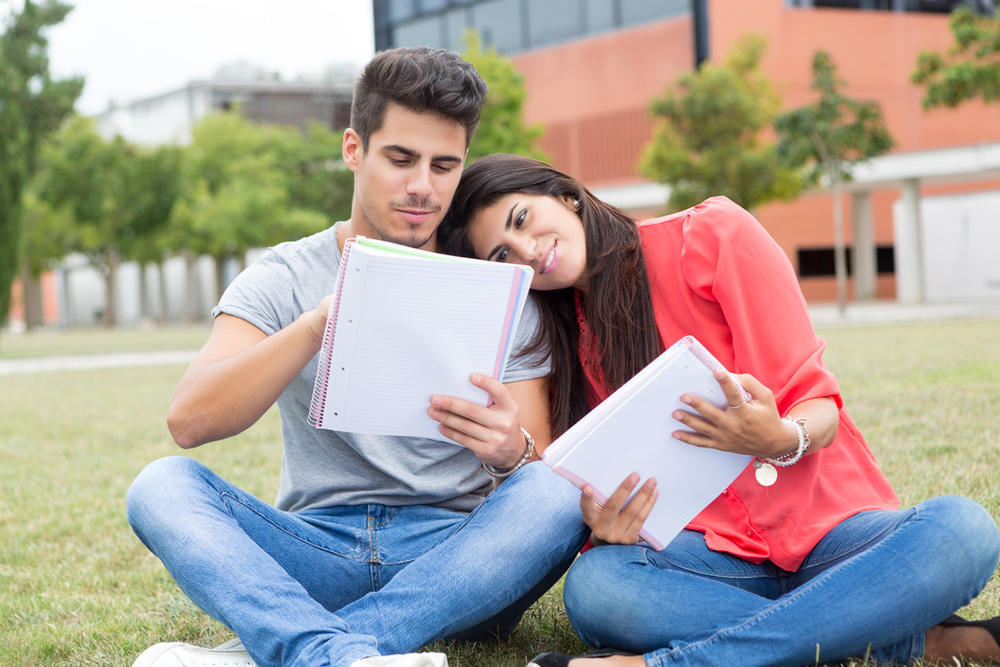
[50, 342]
[77, 588]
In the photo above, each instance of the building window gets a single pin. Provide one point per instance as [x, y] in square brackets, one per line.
[422, 32]
[400, 10]
[987, 7]
[554, 21]
[643, 11]
[819, 262]
[511, 25]
[456, 22]
[500, 23]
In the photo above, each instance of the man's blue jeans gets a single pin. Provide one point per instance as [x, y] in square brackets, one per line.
[872, 586]
[330, 586]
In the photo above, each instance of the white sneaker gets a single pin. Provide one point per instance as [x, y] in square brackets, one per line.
[178, 654]
[405, 660]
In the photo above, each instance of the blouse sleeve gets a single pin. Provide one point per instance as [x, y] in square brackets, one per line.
[730, 259]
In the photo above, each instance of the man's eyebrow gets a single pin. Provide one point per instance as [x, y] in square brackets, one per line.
[506, 227]
[394, 148]
[409, 152]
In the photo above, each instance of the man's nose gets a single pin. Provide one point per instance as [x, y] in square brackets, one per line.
[419, 183]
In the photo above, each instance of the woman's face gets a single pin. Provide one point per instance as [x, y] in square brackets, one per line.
[538, 230]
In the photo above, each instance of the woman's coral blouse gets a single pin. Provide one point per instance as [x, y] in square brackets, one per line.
[716, 274]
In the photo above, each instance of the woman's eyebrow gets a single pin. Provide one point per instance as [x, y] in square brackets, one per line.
[506, 227]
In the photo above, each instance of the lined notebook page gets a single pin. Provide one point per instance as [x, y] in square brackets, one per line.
[408, 326]
[631, 432]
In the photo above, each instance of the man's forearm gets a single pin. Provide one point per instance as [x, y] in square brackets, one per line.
[237, 377]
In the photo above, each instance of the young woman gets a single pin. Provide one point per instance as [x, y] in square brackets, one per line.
[806, 557]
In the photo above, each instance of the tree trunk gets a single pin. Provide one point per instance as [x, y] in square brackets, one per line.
[192, 304]
[161, 273]
[839, 251]
[110, 273]
[220, 276]
[32, 298]
[145, 310]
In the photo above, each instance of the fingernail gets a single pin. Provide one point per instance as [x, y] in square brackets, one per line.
[679, 415]
[685, 399]
[476, 377]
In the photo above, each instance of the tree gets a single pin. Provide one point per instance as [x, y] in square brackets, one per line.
[32, 105]
[708, 138]
[115, 192]
[242, 184]
[44, 235]
[318, 179]
[501, 126]
[826, 139]
[971, 67]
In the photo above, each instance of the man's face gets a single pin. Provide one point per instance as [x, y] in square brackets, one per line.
[404, 182]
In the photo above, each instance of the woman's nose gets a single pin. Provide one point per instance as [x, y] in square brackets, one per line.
[527, 248]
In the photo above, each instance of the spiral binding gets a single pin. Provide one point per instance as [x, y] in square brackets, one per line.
[705, 357]
[318, 401]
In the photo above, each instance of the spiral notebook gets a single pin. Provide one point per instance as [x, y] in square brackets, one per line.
[405, 324]
[631, 432]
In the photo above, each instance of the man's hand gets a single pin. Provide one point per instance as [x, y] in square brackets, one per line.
[493, 433]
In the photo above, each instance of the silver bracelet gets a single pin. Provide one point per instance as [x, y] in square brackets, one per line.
[500, 473]
[793, 457]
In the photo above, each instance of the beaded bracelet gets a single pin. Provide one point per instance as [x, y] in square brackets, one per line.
[499, 473]
[793, 457]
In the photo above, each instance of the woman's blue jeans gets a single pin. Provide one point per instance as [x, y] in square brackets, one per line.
[330, 586]
[872, 586]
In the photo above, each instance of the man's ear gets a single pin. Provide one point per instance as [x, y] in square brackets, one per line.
[352, 149]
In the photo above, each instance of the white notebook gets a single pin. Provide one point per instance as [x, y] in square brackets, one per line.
[405, 324]
[631, 432]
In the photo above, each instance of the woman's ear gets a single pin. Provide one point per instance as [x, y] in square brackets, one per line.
[571, 202]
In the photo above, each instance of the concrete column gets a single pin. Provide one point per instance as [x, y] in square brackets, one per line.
[863, 263]
[909, 246]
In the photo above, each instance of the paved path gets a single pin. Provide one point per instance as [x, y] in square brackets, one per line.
[92, 361]
[875, 312]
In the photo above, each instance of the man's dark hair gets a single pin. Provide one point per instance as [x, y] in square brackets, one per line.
[419, 79]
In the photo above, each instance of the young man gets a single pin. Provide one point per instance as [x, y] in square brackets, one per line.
[376, 545]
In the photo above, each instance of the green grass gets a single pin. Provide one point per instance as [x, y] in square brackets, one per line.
[50, 342]
[77, 587]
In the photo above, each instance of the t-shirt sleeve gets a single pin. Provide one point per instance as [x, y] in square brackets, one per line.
[729, 258]
[527, 366]
[261, 295]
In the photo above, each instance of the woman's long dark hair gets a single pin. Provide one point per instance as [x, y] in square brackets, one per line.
[616, 306]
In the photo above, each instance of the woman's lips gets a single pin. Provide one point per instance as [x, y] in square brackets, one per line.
[551, 260]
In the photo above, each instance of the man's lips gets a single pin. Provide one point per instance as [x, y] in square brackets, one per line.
[416, 215]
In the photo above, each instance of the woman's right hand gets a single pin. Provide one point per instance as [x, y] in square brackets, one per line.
[615, 522]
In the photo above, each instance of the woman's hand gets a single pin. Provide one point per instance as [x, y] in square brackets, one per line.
[616, 522]
[751, 427]
[493, 433]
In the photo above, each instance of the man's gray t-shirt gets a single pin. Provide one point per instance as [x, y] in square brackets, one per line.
[323, 468]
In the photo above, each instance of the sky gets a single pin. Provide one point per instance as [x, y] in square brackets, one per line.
[128, 49]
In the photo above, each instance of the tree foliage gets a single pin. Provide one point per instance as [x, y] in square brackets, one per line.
[248, 185]
[826, 138]
[116, 193]
[501, 127]
[32, 105]
[971, 67]
[709, 135]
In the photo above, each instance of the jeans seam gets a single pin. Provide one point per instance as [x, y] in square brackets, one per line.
[911, 512]
[750, 622]
[265, 518]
